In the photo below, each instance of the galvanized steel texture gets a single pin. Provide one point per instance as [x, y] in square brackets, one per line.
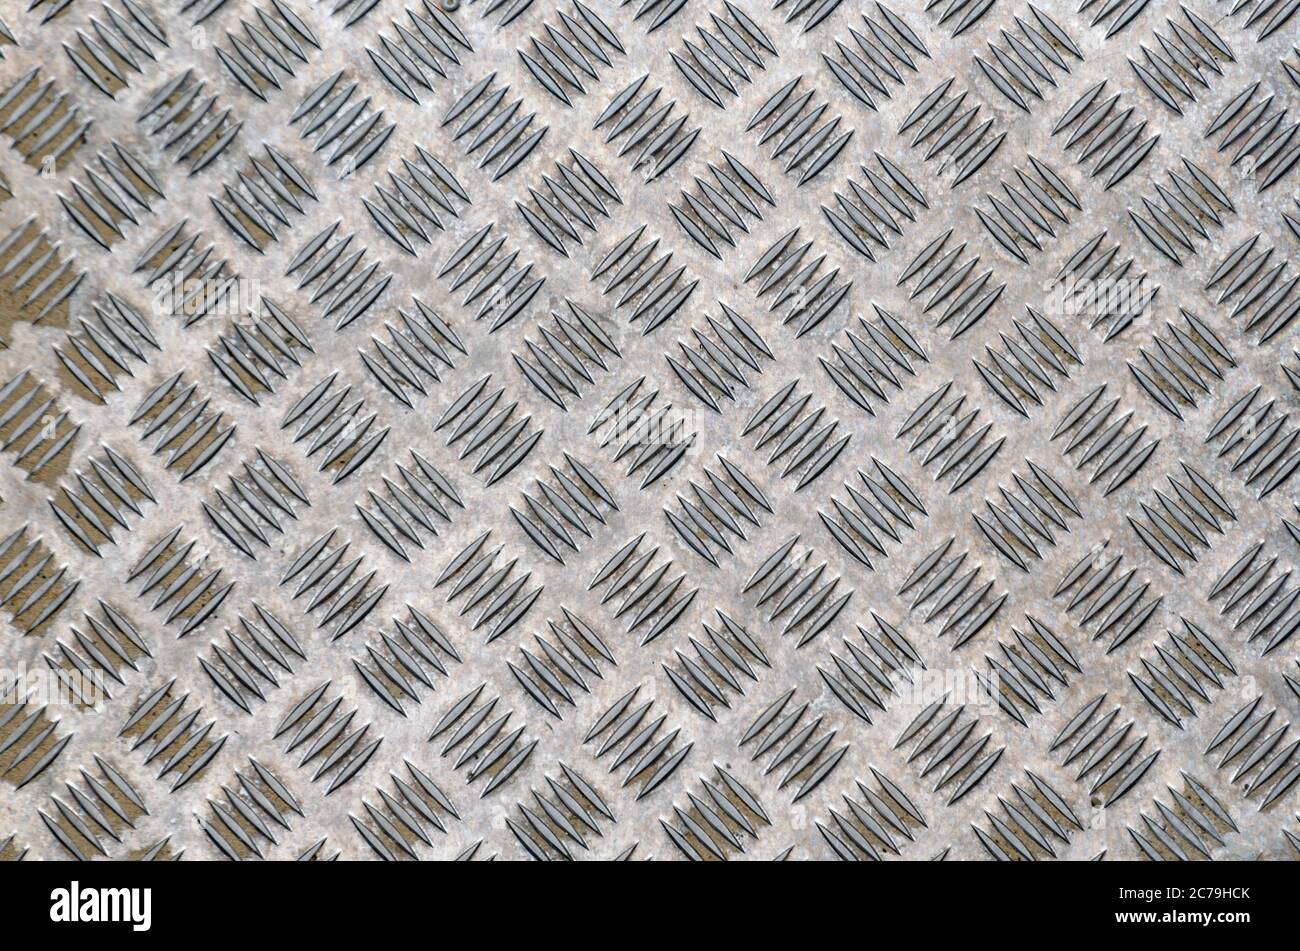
[669, 429]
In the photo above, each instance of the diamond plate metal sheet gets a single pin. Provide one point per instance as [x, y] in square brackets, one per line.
[676, 429]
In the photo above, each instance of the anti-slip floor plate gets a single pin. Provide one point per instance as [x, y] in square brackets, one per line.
[662, 429]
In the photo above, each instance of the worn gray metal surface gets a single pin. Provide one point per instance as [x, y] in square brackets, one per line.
[659, 429]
